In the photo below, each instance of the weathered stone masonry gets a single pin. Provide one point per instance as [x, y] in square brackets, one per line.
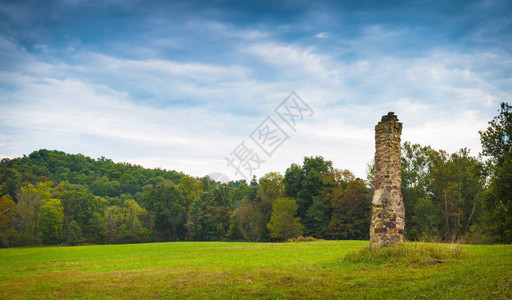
[388, 213]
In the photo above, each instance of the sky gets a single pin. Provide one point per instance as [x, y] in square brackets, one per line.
[243, 88]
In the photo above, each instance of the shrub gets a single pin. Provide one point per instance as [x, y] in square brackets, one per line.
[302, 239]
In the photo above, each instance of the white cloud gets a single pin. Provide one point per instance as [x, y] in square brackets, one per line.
[61, 110]
[160, 67]
[293, 59]
[322, 35]
[93, 106]
[379, 33]
[14, 59]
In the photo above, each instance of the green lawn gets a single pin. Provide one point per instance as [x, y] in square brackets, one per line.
[242, 270]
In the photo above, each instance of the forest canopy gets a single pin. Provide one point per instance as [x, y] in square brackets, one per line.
[51, 197]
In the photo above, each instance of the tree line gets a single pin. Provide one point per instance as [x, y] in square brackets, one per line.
[458, 196]
[50, 197]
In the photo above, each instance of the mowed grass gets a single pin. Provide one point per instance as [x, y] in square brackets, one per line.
[243, 270]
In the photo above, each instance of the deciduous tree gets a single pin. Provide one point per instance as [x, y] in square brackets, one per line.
[50, 221]
[497, 144]
[284, 223]
[351, 213]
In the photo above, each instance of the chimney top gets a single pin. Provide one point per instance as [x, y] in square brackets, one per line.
[390, 117]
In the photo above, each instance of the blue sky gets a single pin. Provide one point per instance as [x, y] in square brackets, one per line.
[180, 84]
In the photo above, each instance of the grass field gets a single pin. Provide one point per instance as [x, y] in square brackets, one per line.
[242, 270]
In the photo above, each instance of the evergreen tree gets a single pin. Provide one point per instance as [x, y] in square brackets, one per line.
[235, 232]
[316, 220]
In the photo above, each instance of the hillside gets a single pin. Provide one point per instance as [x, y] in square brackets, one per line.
[50, 197]
[104, 177]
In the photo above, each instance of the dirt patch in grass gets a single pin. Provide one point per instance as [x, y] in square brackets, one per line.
[428, 261]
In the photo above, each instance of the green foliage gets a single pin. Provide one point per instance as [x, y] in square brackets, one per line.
[311, 186]
[498, 203]
[426, 219]
[317, 218]
[86, 209]
[497, 143]
[96, 229]
[293, 180]
[351, 213]
[235, 232]
[313, 169]
[247, 216]
[442, 192]
[497, 138]
[104, 187]
[73, 233]
[301, 238]
[207, 221]
[304, 183]
[30, 200]
[168, 208]
[103, 176]
[126, 223]
[222, 196]
[283, 223]
[10, 179]
[50, 221]
[133, 218]
[271, 185]
[445, 196]
[456, 184]
[270, 188]
[242, 195]
[318, 189]
[191, 189]
[86, 188]
[7, 210]
[415, 178]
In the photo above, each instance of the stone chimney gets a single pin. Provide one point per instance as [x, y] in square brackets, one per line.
[388, 214]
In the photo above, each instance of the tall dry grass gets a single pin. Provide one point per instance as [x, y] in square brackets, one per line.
[406, 253]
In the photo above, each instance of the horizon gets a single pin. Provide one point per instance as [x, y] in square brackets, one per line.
[181, 85]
